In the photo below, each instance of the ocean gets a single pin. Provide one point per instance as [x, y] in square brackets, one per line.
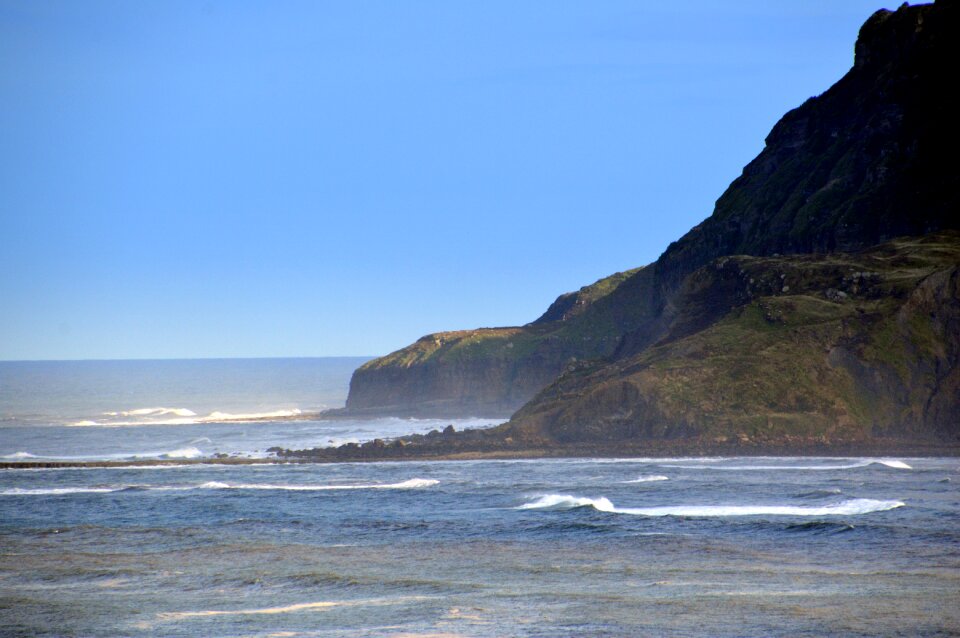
[188, 409]
[563, 547]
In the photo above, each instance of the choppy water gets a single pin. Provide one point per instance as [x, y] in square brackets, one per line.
[581, 547]
[536, 548]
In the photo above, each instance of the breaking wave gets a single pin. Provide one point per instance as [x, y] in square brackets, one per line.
[410, 484]
[403, 485]
[649, 479]
[179, 416]
[847, 466]
[843, 508]
[182, 453]
[154, 412]
[249, 416]
[18, 455]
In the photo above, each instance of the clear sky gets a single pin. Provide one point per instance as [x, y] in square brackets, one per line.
[284, 178]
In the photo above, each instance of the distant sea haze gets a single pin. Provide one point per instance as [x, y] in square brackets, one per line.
[182, 409]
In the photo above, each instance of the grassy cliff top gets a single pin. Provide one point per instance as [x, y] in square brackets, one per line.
[579, 327]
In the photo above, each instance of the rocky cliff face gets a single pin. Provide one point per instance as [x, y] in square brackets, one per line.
[491, 371]
[702, 343]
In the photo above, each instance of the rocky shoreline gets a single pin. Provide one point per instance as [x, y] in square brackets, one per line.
[474, 445]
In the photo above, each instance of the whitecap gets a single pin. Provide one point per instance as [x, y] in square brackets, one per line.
[153, 412]
[567, 501]
[415, 483]
[249, 416]
[182, 453]
[179, 416]
[843, 508]
[846, 466]
[894, 463]
[18, 455]
[410, 484]
[649, 479]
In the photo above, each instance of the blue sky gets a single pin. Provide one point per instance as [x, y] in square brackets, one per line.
[232, 179]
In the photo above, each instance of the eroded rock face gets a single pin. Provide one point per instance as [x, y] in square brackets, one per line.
[867, 161]
[493, 371]
[473, 386]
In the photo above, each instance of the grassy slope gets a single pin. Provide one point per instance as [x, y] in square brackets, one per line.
[588, 329]
[791, 358]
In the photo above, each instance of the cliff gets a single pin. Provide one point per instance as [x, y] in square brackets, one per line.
[769, 319]
[824, 349]
[491, 371]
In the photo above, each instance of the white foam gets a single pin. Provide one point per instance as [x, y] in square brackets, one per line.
[403, 485]
[298, 607]
[894, 463]
[153, 412]
[214, 485]
[849, 507]
[183, 453]
[410, 484]
[189, 452]
[567, 501]
[649, 479]
[181, 416]
[847, 466]
[18, 455]
[248, 416]
[47, 491]
[97, 468]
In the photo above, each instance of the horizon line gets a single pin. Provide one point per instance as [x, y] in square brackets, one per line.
[92, 359]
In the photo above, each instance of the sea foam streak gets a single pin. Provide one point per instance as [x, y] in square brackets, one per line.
[410, 484]
[844, 508]
[849, 466]
[403, 485]
[649, 479]
[313, 606]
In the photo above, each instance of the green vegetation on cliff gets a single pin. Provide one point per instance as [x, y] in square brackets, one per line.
[841, 347]
[492, 371]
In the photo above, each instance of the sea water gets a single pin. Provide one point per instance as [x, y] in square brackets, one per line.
[572, 547]
[169, 409]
